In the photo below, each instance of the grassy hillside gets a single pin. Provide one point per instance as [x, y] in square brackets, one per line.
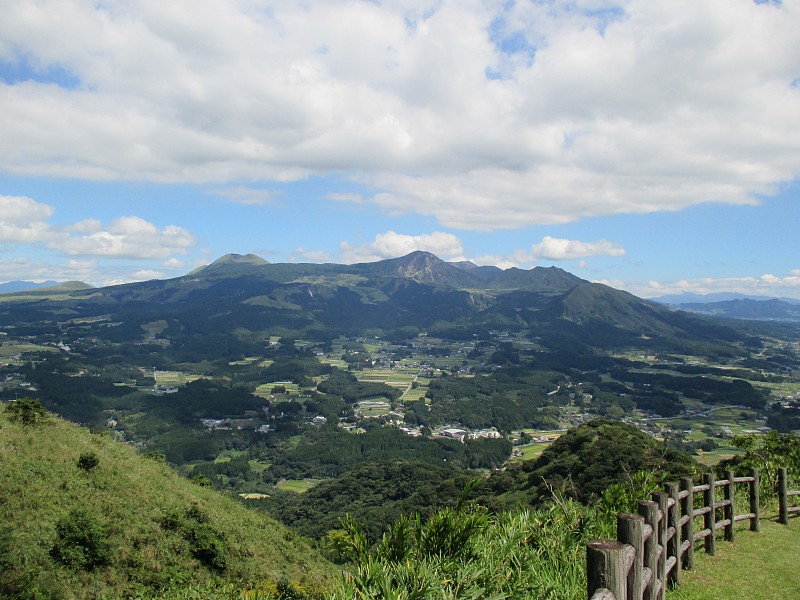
[128, 526]
[758, 566]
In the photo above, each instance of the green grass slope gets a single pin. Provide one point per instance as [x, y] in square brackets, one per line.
[152, 530]
[757, 566]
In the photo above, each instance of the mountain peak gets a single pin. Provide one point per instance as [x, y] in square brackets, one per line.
[239, 259]
[231, 262]
[420, 266]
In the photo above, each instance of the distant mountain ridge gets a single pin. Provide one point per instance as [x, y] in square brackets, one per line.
[21, 286]
[692, 298]
[732, 305]
[418, 292]
[53, 288]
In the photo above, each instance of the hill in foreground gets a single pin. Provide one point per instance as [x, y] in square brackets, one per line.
[86, 516]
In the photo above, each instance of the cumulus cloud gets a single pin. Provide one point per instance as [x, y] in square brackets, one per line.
[23, 220]
[26, 221]
[126, 237]
[551, 248]
[392, 244]
[561, 249]
[482, 115]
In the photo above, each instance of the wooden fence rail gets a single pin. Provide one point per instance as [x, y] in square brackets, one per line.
[784, 493]
[653, 546]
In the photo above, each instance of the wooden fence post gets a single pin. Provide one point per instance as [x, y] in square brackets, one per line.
[630, 530]
[755, 504]
[783, 497]
[709, 518]
[729, 512]
[687, 508]
[674, 544]
[662, 500]
[649, 510]
[605, 568]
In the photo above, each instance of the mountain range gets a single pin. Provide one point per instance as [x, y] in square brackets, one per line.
[736, 306]
[246, 296]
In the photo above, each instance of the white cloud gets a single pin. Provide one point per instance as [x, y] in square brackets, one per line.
[503, 262]
[26, 221]
[482, 115]
[561, 249]
[392, 244]
[551, 248]
[27, 269]
[764, 285]
[23, 220]
[147, 275]
[126, 237]
[174, 263]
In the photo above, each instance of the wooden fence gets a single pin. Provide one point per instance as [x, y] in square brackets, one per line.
[652, 547]
[785, 508]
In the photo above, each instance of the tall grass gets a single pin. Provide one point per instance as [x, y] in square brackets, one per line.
[467, 553]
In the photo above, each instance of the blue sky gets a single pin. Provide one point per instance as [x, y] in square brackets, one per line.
[653, 145]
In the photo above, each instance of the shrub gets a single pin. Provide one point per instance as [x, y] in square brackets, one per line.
[81, 541]
[205, 543]
[88, 461]
[202, 480]
[26, 411]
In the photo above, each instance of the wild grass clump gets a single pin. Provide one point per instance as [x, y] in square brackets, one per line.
[465, 552]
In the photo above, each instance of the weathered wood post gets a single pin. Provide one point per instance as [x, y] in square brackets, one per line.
[662, 500]
[709, 518]
[605, 568]
[630, 530]
[649, 510]
[674, 544]
[755, 504]
[783, 497]
[687, 508]
[729, 512]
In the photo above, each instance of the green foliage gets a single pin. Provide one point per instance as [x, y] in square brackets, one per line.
[68, 536]
[81, 541]
[344, 384]
[26, 411]
[374, 494]
[329, 452]
[586, 460]
[206, 543]
[467, 553]
[88, 461]
[202, 480]
[768, 453]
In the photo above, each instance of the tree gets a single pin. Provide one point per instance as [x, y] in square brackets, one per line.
[26, 411]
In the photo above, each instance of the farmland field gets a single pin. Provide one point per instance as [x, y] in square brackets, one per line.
[297, 485]
[265, 389]
[174, 378]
